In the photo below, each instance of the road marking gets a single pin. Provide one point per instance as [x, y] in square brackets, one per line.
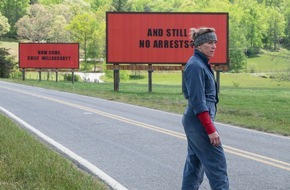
[228, 149]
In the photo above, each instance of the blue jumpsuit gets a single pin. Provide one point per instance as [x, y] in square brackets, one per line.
[200, 90]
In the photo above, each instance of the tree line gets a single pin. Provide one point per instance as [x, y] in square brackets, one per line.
[253, 24]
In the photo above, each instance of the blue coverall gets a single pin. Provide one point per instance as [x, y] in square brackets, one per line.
[200, 90]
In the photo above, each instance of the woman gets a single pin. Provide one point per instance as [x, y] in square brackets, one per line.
[205, 152]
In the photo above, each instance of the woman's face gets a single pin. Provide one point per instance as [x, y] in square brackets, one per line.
[208, 48]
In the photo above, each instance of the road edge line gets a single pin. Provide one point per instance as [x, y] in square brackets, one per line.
[68, 153]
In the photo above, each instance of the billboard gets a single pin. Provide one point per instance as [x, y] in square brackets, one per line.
[134, 37]
[49, 55]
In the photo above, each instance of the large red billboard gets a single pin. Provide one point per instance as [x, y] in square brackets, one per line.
[161, 37]
[49, 55]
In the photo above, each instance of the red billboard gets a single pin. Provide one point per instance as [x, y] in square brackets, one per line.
[49, 55]
[161, 37]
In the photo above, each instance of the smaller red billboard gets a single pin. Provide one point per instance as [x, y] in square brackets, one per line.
[49, 55]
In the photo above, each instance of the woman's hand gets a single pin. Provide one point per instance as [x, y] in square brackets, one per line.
[214, 139]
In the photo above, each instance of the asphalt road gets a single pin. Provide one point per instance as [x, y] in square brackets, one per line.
[141, 148]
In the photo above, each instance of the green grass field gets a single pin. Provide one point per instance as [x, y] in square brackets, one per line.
[269, 62]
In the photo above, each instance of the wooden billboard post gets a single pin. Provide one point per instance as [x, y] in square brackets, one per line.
[56, 75]
[219, 69]
[39, 74]
[116, 77]
[23, 74]
[150, 71]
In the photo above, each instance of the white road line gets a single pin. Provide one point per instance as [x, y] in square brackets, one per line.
[74, 157]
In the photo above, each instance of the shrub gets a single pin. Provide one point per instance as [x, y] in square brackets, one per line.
[6, 63]
[68, 77]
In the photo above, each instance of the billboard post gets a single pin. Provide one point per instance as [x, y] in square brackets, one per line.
[23, 74]
[56, 75]
[116, 77]
[150, 71]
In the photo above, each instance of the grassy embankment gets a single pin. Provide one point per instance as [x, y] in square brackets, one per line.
[27, 164]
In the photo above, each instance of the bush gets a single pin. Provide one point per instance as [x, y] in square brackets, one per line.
[136, 77]
[281, 76]
[6, 63]
[68, 77]
[16, 75]
[124, 75]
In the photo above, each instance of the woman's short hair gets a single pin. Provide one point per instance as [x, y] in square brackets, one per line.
[202, 35]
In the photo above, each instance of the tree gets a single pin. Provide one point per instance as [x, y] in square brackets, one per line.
[272, 3]
[58, 32]
[276, 28]
[254, 21]
[141, 6]
[33, 2]
[121, 5]
[49, 2]
[96, 4]
[237, 32]
[13, 10]
[82, 28]
[35, 26]
[4, 25]
[96, 46]
[286, 40]
[77, 7]
[62, 10]
[6, 63]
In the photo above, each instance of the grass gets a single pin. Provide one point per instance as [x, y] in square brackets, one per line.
[12, 47]
[27, 164]
[269, 62]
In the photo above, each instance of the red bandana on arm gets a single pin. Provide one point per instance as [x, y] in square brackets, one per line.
[206, 122]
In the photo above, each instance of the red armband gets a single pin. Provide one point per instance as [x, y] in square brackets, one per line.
[206, 122]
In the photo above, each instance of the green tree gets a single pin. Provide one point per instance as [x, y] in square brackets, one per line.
[33, 2]
[62, 10]
[276, 28]
[286, 14]
[121, 5]
[237, 32]
[96, 4]
[77, 7]
[82, 28]
[13, 10]
[141, 6]
[96, 46]
[4, 25]
[49, 2]
[35, 26]
[187, 6]
[254, 21]
[272, 3]
[6, 63]
[58, 32]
